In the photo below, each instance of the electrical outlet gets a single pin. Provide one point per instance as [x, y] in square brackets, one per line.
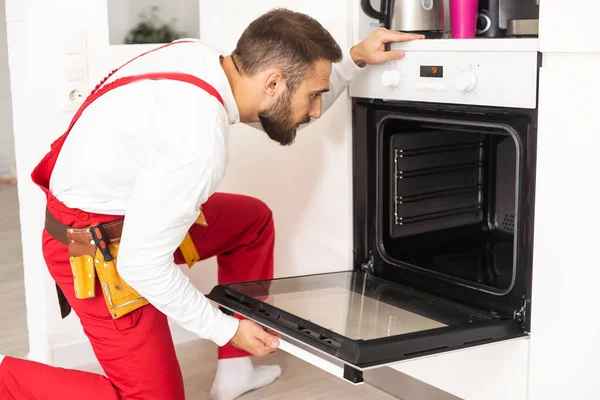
[75, 95]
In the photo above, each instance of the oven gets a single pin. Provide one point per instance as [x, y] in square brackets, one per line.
[444, 145]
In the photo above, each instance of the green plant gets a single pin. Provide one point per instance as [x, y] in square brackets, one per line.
[153, 30]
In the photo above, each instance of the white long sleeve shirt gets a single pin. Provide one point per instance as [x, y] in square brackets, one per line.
[163, 147]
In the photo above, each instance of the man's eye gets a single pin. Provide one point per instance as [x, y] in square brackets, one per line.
[315, 96]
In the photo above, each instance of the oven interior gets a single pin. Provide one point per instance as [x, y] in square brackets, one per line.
[453, 200]
[449, 204]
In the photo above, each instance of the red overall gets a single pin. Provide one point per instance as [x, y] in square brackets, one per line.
[136, 351]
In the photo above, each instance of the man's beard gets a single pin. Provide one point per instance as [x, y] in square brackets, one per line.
[277, 121]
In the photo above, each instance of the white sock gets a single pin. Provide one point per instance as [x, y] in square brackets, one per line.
[236, 376]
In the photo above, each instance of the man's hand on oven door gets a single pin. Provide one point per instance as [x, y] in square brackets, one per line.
[371, 50]
[254, 339]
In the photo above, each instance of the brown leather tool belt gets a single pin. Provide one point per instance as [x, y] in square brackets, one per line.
[58, 230]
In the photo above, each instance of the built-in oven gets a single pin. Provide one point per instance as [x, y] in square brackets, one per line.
[444, 145]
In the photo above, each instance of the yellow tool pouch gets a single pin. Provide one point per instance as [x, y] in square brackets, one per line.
[188, 248]
[120, 298]
[83, 276]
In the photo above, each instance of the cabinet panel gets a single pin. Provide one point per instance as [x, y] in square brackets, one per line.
[565, 349]
[569, 26]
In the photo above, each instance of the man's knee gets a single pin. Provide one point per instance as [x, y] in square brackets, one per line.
[260, 210]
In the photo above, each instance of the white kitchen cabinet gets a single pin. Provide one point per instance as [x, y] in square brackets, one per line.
[497, 371]
[491, 372]
[569, 26]
[565, 340]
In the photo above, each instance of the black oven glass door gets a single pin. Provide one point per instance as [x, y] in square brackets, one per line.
[360, 319]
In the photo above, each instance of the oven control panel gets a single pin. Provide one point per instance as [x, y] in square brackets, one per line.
[494, 78]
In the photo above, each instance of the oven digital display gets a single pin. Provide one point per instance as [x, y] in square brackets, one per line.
[432, 71]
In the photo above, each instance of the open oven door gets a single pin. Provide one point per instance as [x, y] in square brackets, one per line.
[354, 321]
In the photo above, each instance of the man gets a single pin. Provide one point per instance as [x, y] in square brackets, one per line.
[150, 146]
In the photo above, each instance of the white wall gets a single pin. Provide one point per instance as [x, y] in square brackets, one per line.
[7, 148]
[124, 15]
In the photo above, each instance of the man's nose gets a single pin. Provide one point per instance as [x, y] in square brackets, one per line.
[315, 110]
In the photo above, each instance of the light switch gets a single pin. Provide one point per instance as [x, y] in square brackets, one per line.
[75, 68]
[75, 75]
[75, 44]
[73, 62]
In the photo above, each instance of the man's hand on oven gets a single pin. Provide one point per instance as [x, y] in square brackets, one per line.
[371, 50]
[255, 339]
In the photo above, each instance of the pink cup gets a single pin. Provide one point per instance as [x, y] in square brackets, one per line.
[463, 17]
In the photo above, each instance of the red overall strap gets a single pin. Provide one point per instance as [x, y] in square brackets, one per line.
[43, 171]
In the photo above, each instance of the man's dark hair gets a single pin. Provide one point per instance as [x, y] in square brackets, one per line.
[284, 39]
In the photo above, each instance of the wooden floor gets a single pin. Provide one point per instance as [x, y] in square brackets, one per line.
[300, 380]
[13, 322]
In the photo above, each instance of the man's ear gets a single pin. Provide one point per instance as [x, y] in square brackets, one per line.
[273, 83]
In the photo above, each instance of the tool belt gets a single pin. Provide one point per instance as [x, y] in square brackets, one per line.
[93, 253]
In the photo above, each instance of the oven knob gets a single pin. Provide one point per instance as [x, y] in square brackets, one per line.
[466, 82]
[390, 78]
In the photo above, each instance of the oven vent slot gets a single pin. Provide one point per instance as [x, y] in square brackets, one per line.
[437, 180]
[424, 352]
[508, 223]
[240, 299]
